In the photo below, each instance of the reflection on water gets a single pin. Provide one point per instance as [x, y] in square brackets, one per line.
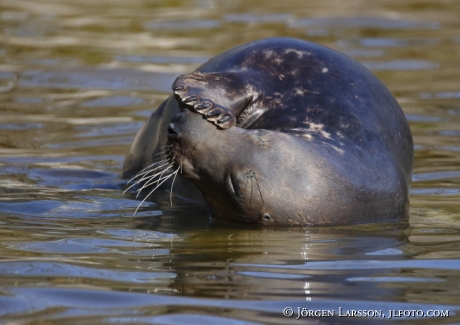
[77, 79]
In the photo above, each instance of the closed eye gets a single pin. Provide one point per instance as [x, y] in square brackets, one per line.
[232, 185]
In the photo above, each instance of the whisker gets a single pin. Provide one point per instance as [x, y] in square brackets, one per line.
[153, 180]
[147, 169]
[153, 167]
[250, 198]
[172, 184]
[155, 172]
[258, 186]
[161, 153]
[259, 183]
[163, 150]
[269, 183]
[146, 176]
[245, 185]
[161, 175]
[165, 178]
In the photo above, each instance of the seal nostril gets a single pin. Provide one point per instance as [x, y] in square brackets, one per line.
[172, 132]
[171, 129]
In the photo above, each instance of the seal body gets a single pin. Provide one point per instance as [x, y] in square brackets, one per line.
[284, 132]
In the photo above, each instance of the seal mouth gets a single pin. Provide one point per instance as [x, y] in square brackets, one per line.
[173, 133]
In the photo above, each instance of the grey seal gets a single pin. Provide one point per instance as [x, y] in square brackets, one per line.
[281, 132]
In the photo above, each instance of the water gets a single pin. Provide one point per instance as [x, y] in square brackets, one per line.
[77, 80]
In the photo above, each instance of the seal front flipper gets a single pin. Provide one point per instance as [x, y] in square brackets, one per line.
[219, 97]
